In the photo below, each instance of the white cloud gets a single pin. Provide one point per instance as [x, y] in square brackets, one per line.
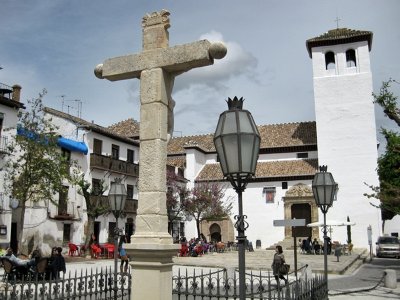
[237, 63]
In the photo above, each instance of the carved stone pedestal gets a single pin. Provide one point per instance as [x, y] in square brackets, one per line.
[151, 270]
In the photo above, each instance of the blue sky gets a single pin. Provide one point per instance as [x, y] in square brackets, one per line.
[55, 44]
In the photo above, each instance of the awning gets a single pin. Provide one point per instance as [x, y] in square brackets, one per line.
[72, 145]
[331, 223]
[62, 142]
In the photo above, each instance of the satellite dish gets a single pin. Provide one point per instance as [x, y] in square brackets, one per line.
[14, 203]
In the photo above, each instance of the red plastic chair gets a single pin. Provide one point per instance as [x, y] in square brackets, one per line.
[72, 249]
[110, 250]
[96, 250]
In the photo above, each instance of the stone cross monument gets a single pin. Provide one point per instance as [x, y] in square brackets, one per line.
[151, 247]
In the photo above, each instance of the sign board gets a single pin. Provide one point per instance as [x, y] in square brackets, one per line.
[369, 233]
[290, 222]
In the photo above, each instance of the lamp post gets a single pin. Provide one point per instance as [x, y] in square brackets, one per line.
[237, 143]
[324, 189]
[116, 198]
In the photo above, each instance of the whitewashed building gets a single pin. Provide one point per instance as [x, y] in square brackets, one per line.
[108, 156]
[101, 155]
[343, 137]
[10, 105]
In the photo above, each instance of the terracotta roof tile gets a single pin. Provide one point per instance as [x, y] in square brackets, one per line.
[272, 136]
[128, 128]
[204, 142]
[339, 36]
[179, 161]
[288, 135]
[91, 126]
[283, 168]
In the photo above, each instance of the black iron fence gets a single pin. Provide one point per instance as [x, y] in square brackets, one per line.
[88, 285]
[220, 284]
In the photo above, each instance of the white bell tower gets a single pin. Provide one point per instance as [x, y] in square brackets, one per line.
[346, 131]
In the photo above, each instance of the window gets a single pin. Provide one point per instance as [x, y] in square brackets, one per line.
[66, 154]
[302, 155]
[129, 229]
[129, 191]
[330, 60]
[97, 146]
[115, 151]
[284, 185]
[111, 231]
[1, 122]
[269, 194]
[130, 156]
[96, 186]
[351, 58]
[182, 229]
[66, 233]
[62, 201]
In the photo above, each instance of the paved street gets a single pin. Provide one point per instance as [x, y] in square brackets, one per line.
[347, 275]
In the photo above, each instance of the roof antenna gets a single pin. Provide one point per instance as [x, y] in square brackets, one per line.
[337, 22]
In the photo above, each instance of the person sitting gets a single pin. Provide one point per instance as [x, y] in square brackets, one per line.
[329, 245]
[305, 246]
[17, 261]
[199, 248]
[316, 247]
[23, 267]
[184, 249]
[300, 246]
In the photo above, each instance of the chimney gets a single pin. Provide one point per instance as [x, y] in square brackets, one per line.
[16, 94]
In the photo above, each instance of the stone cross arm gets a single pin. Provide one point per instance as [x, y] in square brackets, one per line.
[175, 60]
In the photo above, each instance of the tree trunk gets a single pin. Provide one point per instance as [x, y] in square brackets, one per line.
[22, 245]
[198, 227]
[90, 231]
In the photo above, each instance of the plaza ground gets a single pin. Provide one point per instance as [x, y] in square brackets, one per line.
[353, 276]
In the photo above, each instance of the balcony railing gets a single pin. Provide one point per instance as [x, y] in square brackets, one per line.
[107, 163]
[5, 90]
[3, 145]
[96, 201]
[131, 205]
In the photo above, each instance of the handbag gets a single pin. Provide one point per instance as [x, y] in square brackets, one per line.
[284, 269]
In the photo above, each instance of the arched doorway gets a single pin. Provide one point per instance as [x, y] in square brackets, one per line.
[215, 233]
[299, 203]
[220, 229]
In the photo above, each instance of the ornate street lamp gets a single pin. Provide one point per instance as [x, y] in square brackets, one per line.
[116, 198]
[237, 142]
[324, 189]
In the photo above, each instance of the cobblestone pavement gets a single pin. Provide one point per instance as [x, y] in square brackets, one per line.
[350, 273]
[351, 277]
[262, 259]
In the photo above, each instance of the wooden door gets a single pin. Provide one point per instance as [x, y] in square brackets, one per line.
[302, 211]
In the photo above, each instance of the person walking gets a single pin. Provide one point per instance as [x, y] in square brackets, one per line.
[277, 262]
[122, 254]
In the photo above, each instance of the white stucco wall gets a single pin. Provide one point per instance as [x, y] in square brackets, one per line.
[195, 160]
[8, 132]
[347, 140]
[38, 223]
[260, 215]
[285, 156]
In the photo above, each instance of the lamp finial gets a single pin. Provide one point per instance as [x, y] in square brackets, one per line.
[235, 103]
[323, 168]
